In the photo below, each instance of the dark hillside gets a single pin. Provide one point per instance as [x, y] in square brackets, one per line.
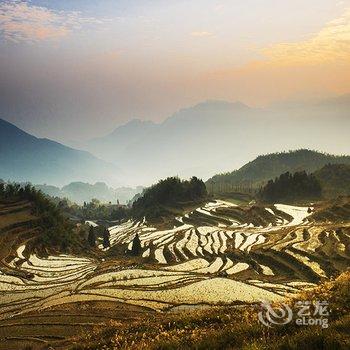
[288, 188]
[24, 157]
[257, 172]
[334, 179]
[169, 193]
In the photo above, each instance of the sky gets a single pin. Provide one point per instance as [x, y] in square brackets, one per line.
[74, 70]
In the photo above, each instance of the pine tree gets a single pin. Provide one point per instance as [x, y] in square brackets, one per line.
[92, 237]
[106, 235]
[136, 246]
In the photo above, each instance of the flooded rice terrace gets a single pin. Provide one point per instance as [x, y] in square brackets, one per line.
[218, 254]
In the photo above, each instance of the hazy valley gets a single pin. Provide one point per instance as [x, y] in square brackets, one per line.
[174, 175]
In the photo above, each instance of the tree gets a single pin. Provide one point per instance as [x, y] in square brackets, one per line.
[95, 202]
[55, 229]
[106, 235]
[136, 246]
[119, 213]
[167, 193]
[2, 188]
[291, 187]
[92, 237]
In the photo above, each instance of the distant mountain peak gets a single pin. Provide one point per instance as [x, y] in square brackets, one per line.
[209, 107]
[135, 122]
[128, 130]
[130, 126]
[218, 105]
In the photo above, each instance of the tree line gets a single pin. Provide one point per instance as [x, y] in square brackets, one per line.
[94, 210]
[291, 187]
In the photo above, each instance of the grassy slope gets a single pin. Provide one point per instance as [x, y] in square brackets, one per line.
[231, 328]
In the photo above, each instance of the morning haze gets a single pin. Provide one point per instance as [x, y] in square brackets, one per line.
[174, 174]
[66, 66]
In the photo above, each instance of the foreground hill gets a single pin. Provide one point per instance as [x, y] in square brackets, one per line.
[24, 157]
[233, 328]
[266, 167]
[27, 215]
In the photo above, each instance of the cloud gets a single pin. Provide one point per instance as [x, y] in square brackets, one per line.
[20, 21]
[340, 3]
[316, 67]
[201, 34]
[331, 44]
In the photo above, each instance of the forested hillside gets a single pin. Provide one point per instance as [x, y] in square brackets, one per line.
[171, 192]
[334, 179]
[291, 187]
[256, 173]
[42, 217]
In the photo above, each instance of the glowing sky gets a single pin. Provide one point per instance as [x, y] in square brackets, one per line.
[66, 64]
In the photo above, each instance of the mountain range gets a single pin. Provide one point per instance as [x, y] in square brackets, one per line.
[219, 136]
[24, 157]
[210, 137]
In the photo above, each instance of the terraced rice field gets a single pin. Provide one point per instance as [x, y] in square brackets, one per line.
[219, 254]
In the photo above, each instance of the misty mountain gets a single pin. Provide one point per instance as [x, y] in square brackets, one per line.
[265, 167]
[218, 136]
[80, 192]
[24, 157]
[192, 141]
[115, 145]
[339, 106]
